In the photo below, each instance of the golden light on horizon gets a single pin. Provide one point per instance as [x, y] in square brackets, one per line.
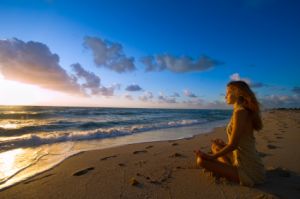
[16, 93]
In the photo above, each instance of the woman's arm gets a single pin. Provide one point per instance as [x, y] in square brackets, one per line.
[238, 127]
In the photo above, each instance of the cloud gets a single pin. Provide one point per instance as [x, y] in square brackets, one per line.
[237, 77]
[109, 54]
[178, 64]
[195, 101]
[164, 99]
[257, 84]
[109, 91]
[187, 93]
[216, 105]
[296, 90]
[280, 101]
[129, 97]
[175, 94]
[203, 104]
[133, 87]
[147, 96]
[93, 82]
[33, 63]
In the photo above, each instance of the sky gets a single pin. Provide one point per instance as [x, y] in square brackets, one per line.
[148, 53]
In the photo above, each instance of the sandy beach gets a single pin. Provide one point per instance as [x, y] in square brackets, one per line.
[166, 169]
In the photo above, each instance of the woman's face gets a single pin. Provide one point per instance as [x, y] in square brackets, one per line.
[230, 96]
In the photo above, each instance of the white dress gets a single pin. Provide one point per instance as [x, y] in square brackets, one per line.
[247, 160]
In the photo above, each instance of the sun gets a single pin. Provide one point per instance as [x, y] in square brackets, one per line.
[15, 93]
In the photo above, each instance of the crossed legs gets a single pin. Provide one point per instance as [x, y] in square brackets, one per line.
[222, 166]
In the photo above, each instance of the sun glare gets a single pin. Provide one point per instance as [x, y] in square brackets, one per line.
[7, 163]
[15, 93]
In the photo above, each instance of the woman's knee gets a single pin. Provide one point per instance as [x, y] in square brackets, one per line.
[200, 162]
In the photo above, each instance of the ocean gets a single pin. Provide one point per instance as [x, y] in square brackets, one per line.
[34, 139]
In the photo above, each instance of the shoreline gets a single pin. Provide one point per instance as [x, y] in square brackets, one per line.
[167, 168]
[164, 134]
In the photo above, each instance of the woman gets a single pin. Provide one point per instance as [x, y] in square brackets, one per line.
[237, 160]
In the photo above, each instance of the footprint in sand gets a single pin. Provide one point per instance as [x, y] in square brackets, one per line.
[175, 155]
[140, 163]
[141, 151]
[279, 137]
[112, 156]
[149, 147]
[261, 154]
[84, 171]
[175, 144]
[270, 146]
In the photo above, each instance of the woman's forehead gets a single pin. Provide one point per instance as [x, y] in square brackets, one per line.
[229, 88]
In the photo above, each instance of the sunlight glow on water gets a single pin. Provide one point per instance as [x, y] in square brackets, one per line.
[9, 126]
[7, 163]
[35, 139]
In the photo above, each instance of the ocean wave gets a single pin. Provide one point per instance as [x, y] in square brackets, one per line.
[33, 129]
[26, 115]
[37, 139]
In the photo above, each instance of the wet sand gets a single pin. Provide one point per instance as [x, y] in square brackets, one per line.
[167, 169]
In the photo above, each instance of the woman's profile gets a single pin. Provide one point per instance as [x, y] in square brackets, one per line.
[238, 159]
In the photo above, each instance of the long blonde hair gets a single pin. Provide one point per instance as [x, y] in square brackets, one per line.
[247, 99]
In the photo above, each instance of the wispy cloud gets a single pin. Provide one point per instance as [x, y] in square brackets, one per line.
[109, 54]
[217, 104]
[92, 81]
[128, 96]
[178, 64]
[133, 88]
[165, 99]
[188, 93]
[33, 63]
[147, 96]
[195, 101]
[175, 94]
[109, 91]
[278, 101]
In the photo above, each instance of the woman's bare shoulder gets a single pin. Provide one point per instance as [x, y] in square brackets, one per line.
[241, 112]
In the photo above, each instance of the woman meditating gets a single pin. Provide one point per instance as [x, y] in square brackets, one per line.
[237, 160]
